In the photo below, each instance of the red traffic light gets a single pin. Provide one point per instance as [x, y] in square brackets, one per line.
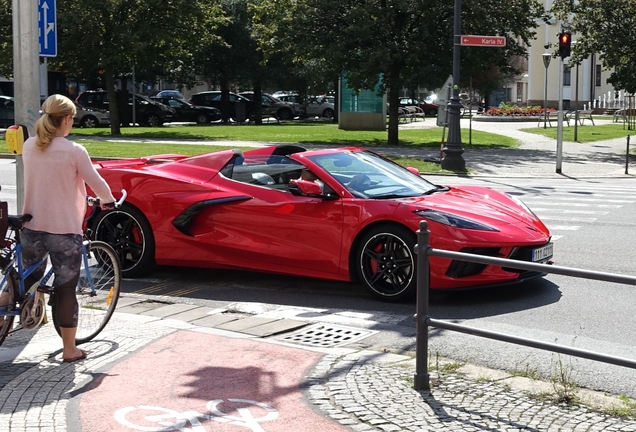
[565, 41]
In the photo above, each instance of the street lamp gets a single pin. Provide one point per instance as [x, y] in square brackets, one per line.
[546, 62]
[453, 150]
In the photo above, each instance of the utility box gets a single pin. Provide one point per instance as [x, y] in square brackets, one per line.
[241, 115]
[361, 109]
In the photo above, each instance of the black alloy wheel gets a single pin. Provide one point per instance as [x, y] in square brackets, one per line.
[284, 114]
[128, 231]
[386, 262]
[153, 120]
[202, 119]
[328, 113]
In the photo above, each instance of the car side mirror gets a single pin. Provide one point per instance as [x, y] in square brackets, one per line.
[307, 187]
[414, 171]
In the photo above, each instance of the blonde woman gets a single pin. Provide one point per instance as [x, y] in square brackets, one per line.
[55, 173]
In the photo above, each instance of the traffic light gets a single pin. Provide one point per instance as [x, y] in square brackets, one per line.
[565, 41]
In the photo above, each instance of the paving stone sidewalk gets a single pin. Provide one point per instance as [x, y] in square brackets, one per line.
[361, 390]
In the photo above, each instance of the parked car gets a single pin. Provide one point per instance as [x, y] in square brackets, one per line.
[358, 223]
[430, 109]
[190, 113]
[7, 111]
[147, 112]
[275, 107]
[315, 106]
[90, 117]
[213, 99]
[175, 94]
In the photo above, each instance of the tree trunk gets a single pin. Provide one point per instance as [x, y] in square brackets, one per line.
[394, 99]
[112, 96]
[257, 104]
[225, 100]
[336, 102]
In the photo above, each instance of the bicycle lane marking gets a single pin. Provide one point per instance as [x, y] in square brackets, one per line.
[191, 381]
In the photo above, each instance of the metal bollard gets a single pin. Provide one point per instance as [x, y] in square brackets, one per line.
[421, 379]
[627, 157]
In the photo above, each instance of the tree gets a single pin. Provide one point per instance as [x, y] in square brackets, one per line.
[6, 39]
[406, 42]
[110, 37]
[604, 28]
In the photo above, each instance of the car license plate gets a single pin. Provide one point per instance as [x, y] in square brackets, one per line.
[543, 253]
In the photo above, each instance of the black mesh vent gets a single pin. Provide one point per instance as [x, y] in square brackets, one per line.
[459, 269]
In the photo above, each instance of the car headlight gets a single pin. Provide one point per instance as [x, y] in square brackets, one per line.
[523, 205]
[453, 220]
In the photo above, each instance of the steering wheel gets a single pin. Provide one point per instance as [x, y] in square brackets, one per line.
[360, 182]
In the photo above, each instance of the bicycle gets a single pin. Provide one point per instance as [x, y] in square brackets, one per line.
[97, 289]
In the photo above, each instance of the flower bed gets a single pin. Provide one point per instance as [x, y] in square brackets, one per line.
[508, 110]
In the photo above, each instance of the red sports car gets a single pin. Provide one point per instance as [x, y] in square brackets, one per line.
[345, 214]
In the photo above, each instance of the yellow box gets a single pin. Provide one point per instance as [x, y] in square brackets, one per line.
[15, 137]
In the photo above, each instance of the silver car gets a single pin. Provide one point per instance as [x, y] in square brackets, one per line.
[91, 117]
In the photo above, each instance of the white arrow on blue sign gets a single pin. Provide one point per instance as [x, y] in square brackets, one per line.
[47, 28]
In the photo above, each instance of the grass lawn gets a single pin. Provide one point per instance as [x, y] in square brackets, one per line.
[586, 133]
[303, 133]
[100, 143]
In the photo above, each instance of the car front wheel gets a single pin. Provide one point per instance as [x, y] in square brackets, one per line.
[88, 122]
[202, 119]
[153, 120]
[386, 265]
[284, 114]
[328, 113]
[128, 231]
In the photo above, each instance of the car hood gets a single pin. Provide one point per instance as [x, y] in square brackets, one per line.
[477, 203]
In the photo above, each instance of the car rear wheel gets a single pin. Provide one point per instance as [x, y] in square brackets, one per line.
[284, 114]
[88, 122]
[328, 112]
[202, 119]
[385, 261]
[153, 120]
[432, 112]
[128, 231]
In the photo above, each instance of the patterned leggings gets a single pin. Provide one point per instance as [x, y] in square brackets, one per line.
[65, 252]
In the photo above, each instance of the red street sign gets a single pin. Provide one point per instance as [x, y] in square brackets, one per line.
[491, 41]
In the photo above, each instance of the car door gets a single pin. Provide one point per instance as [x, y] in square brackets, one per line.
[276, 228]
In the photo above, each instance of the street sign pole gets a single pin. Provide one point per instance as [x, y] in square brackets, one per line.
[26, 72]
[559, 149]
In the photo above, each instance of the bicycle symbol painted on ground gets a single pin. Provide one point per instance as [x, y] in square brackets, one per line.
[158, 419]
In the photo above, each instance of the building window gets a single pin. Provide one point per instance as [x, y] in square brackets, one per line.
[598, 75]
[567, 76]
[519, 92]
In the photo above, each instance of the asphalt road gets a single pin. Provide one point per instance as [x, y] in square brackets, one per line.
[593, 227]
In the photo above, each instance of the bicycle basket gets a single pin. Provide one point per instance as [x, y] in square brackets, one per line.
[4, 219]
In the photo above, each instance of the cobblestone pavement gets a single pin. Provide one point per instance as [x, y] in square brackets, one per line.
[360, 390]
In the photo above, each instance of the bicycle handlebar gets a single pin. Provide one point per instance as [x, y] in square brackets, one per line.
[96, 201]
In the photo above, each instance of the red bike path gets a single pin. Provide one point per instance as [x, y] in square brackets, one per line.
[200, 382]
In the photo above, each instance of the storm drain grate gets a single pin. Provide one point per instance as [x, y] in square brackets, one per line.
[326, 335]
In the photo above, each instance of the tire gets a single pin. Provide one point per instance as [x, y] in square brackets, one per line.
[153, 120]
[432, 113]
[386, 264]
[128, 231]
[284, 114]
[8, 299]
[97, 291]
[89, 122]
[328, 113]
[202, 119]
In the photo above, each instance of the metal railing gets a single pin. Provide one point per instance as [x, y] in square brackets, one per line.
[423, 321]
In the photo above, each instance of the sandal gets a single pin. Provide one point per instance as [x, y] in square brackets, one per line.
[80, 357]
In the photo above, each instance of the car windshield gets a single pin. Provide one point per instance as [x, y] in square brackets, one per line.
[367, 175]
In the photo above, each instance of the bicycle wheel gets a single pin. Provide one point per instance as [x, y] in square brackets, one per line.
[8, 300]
[97, 291]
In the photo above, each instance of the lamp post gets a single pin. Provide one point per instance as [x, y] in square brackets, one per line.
[453, 150]
[546, 62]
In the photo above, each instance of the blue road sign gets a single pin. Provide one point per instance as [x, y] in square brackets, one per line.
[47, 28]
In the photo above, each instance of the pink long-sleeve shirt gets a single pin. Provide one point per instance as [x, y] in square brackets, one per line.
[54, 185]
